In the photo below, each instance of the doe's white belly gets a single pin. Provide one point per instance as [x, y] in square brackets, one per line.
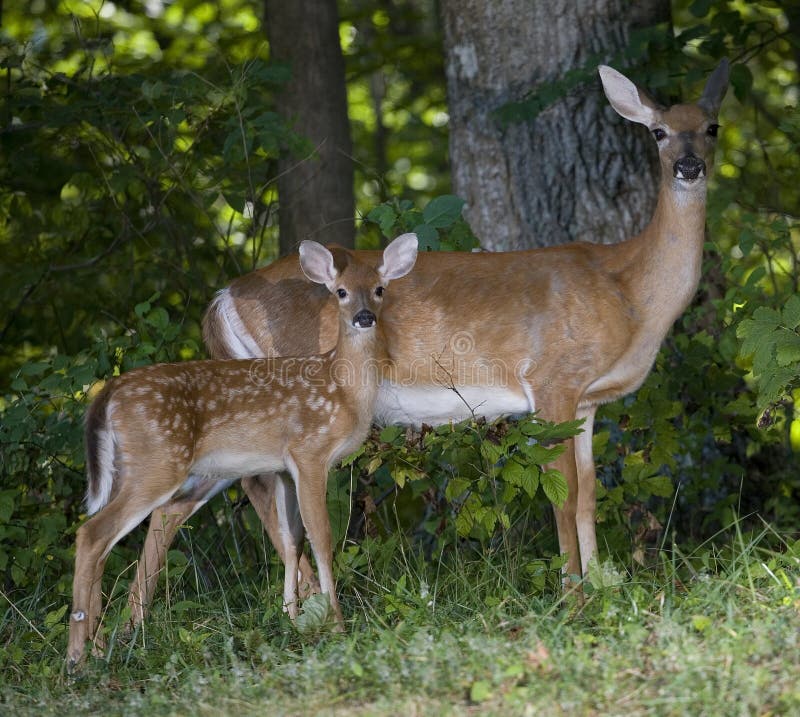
[435, 404]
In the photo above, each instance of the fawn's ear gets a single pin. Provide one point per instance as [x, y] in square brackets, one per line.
[399, 257]
[626, 98]
[715, 89]
[317, 263]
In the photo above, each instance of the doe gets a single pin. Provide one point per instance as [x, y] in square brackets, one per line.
[154, 432]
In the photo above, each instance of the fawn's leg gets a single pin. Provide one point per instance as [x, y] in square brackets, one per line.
[93, 543]
[311, 480]
[164, 524]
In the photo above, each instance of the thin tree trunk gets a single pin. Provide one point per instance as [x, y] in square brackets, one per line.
[315, 192]
[576, 171]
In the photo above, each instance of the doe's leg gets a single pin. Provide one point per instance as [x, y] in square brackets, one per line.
[586, 515]
[289, 539]
[555, 408]
[261, 490]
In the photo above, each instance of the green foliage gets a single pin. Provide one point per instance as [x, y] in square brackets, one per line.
[134, 165]
[439, 226]
[41, 444]
[397, 100]
[474, 477]
[771, 338]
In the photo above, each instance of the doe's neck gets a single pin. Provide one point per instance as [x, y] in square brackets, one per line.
[663, 265]
[680, 210]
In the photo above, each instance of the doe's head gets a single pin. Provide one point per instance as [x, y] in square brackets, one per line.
[686, 133]
[358, 286]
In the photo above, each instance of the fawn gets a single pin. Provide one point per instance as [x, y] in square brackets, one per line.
[154, 433]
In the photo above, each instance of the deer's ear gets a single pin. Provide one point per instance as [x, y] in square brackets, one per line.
[626, 98]
[715, 89]
[399, 257]
[317, 263]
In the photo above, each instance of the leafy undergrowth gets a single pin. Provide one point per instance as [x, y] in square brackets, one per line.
[717, 632]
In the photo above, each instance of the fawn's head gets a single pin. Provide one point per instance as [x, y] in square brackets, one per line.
[686, 134]
[359, 287]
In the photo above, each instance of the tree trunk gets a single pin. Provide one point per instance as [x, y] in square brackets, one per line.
[315, 192]
[576, 171]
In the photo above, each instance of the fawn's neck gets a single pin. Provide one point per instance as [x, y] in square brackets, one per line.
[357, 360]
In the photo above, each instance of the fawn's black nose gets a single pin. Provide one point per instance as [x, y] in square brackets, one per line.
[689, 167]
[364, 319]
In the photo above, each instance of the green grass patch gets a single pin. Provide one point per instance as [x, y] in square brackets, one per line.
[716, 632]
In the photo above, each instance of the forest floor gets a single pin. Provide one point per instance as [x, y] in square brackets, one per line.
[714, 634]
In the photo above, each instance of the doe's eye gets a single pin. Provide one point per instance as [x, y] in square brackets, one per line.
[379, 291]
[341, 293]
[659, 134]
[712, 130]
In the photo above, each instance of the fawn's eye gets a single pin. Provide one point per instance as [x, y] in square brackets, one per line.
[341, 293]
[712, 130]
[659, 134]
[379, 291]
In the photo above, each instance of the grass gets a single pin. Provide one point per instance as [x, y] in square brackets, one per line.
[716, 632]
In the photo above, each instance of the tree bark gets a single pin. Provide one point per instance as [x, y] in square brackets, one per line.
[315, 192]
[576, 171]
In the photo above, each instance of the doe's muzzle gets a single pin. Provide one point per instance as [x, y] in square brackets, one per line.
[689, 167]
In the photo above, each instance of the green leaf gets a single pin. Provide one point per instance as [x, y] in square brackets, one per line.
[555, 487]
[349, 460]
[700, 8]
[491, 452]
[314, 615]
[747, 240]
[763, 358]
[787, 348]
[456, 487]
[34, 368]
[604, 575]
[428, 237]
[757, 330]
[183, 606]
[391, 433]
[539, 454]
[158, 318]
[791, 312]
[54, 617]
[18, 384]
[442, 211]
[385, 216]
[526, 477]
[480, 691]
[7, 505]
[741, 81]
[546, 431]
[774, 384]
[658, 485]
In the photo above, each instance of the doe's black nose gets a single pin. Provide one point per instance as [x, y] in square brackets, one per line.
[364, 319]
[689, 167]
